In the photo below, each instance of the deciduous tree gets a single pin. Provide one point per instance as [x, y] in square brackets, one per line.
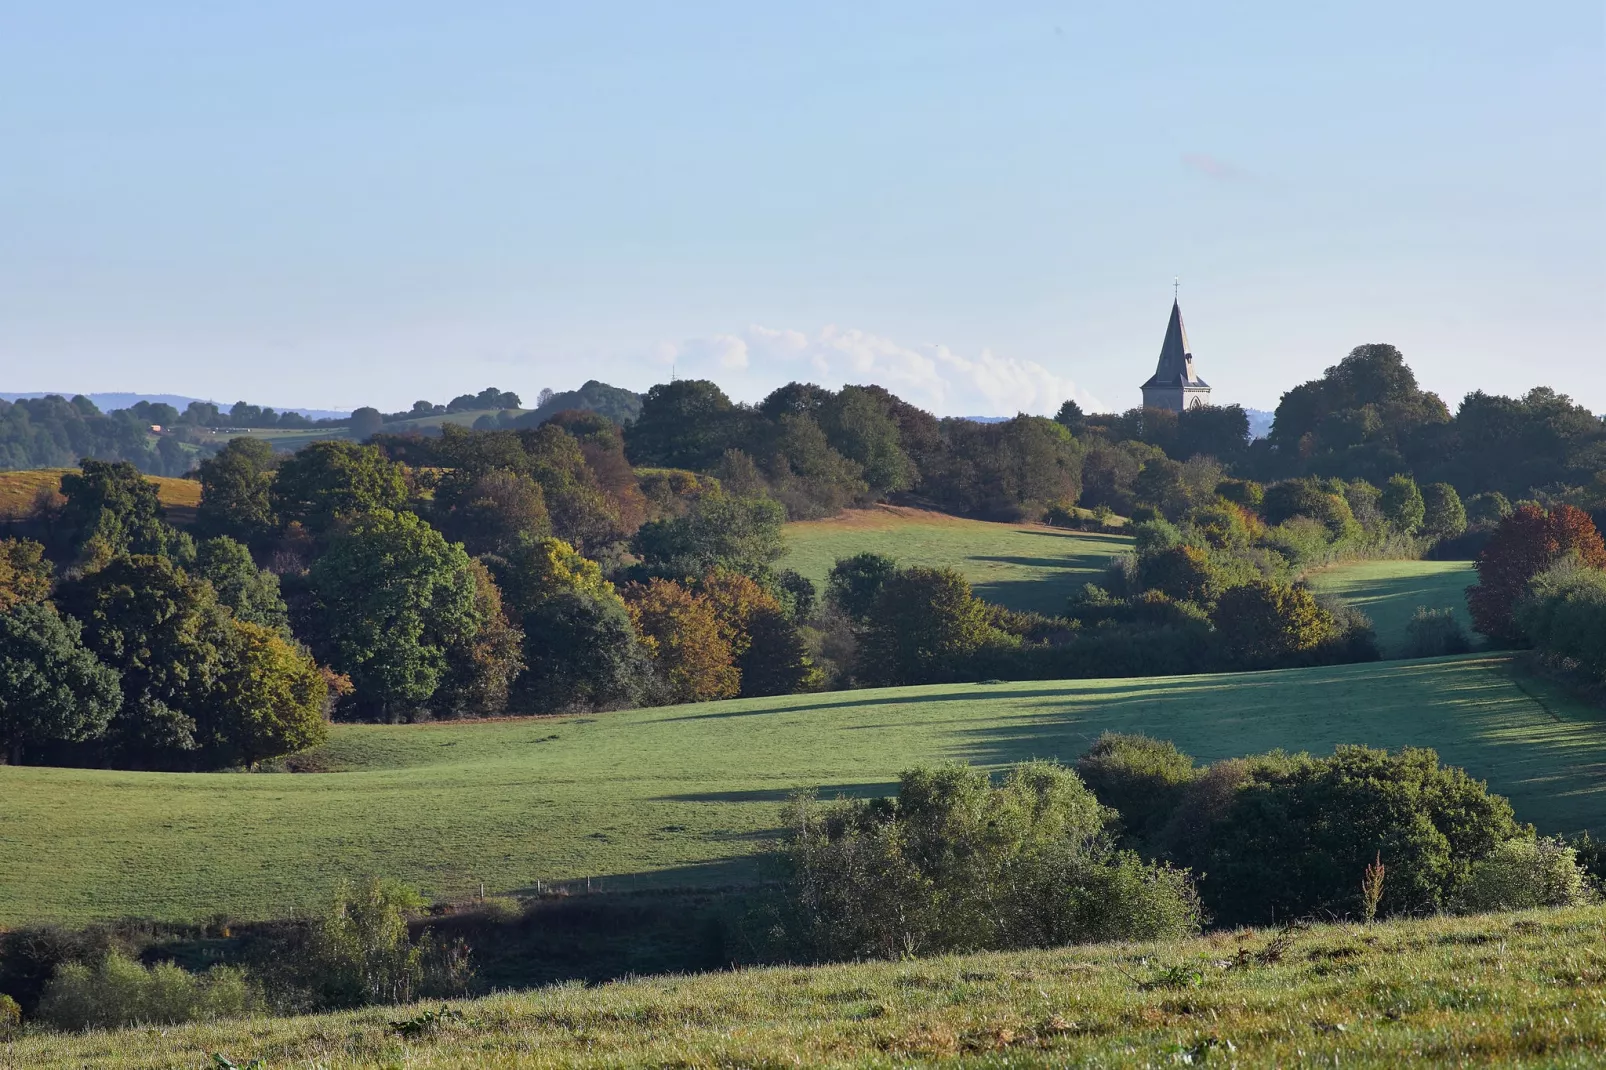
[52, 688]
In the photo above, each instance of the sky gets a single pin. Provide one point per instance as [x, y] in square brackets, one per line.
[981, 206]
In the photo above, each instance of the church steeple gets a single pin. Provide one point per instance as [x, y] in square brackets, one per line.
[1175, 385]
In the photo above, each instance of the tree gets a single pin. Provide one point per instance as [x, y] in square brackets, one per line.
[481, 669]
[808, 476]
[366, 422]
[1072, 418]
[1402, 505]
[237, 492]
[251, 593]
[1443, 516]
[688, 423]
[1160, 486]
[923, 626]
[333, 481]
[1563, 613]
[51, 686]
[682, 635]
[582, 512]
[1183, 573]
[1486, 510]
[25, 575]
[111, 504]
[717, 531]
[855, 583]
[1265, 625]
[490, 511]
[769, 650]
[268, 700]
[167, 636]
[1524, 544]
[393, 596]
[1219, 431]
[860, 428]
[581, 653]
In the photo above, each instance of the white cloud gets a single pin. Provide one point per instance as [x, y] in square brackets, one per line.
[753, 363]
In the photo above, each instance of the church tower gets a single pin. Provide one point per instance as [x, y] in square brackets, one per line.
[1174, 384]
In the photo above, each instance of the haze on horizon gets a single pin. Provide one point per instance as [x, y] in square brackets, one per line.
[356, 203]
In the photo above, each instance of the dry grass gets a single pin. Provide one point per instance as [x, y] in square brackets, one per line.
[20, 489]
[1496, 990]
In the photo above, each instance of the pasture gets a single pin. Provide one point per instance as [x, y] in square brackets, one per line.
[20, 488]
[1022, 566]
[685, 795]
[1495, 989]
[1390, 591]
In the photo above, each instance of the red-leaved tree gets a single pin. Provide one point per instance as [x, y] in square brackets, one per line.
[1526, 543]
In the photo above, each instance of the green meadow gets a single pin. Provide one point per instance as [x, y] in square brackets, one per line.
[1519, 990]
[1022, 566]
[1390, 591]
[686, 795]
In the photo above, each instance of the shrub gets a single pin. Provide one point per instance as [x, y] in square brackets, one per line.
[1526, 543]
[956, 863]
[1182, 573]
[120, 992]
[856, 581]
[1563, 612]
[1434, 633]
[1521, 874]
[1297, 838]
[1139, 777]
[1264, 625]
[10, 1019]
[361, 951]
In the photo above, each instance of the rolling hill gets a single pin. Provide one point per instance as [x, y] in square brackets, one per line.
[19, 489]
[684, 795]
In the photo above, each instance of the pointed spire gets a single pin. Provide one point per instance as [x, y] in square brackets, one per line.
[1175, 366]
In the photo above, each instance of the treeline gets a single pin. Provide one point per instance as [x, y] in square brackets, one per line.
[52, 432]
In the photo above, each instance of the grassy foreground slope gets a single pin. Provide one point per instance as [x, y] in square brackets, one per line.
[1022, 566]
[685, 795]
[1499, 989]
[1390, 591]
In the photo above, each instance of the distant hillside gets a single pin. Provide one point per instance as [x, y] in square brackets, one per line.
[1259, 422]
[616, 403]
[110, 401]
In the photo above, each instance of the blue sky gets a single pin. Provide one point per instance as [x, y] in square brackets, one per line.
[980, 205]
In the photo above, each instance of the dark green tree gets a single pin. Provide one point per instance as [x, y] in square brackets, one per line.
[52, 688]
[489, 512]
[366, 422]
[717, 531]
[688, 423]
[581, 653]
[393, 596]
[859, 427]
[1402, 505]
[1443, 516]
[923, 627]
[237, 492]
[112, 505]
[855, 583]
[251, 593]
[326, 483]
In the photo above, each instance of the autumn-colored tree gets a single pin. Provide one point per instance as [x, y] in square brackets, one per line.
[25, 575]
[682, 634]
[269, 700]
[1526, 543]
[769, 650]
[481, 668]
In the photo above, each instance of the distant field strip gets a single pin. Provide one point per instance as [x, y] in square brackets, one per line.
[1390, 591]
[686, 794]
[1023, 566]
[20, 488]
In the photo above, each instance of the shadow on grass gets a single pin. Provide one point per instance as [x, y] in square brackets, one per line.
[780, 795]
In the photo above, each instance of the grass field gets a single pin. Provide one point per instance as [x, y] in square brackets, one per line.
[1390, 591]
[19, 489]
[684, 795]
[1023, 566]
[1498, 989]
[291, 439]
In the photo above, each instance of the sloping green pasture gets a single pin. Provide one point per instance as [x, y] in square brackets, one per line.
[1390, 591]
[687, 794]
[1022, 566]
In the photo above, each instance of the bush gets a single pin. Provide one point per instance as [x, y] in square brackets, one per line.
[1521, 874]
[1296, 838]
[956, 863]
[1264, 625]
[1563, 612]
[361, 951]
[10, 1019]
[120, 992]
[1434, 633]
[1140, 778]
